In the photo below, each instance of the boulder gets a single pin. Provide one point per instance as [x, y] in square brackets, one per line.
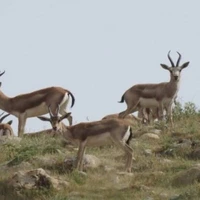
[150, 136]
[36, 179]
[187, 177]
[89, 161]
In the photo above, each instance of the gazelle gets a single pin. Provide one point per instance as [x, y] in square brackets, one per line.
[35, 103]
[131, 119]
[148, 115]
[5, 128]
[159, 95]
[95, 133]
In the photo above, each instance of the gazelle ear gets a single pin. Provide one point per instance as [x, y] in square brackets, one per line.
[9, 122]
[65, 116]
[44, 118]
[184, 65]
[164, 66]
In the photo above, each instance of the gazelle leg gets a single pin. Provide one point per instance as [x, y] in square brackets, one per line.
[21, 125]
[80, 154]
[129, 110]
[141, 115]
[128, 152]
[169, 115]
[146, 115]
[160, 112]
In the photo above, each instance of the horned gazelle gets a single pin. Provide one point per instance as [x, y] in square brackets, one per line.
[35, 103]
[95, 133]
[159, 95]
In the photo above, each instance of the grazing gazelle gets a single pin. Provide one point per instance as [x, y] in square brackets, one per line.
[159, 95]
[95, 133]
[35, 103]
[5, 128]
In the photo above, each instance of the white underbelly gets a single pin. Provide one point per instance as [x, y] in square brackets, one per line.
[38, 110]
[150, 102]
[154, 103]
[167, 101]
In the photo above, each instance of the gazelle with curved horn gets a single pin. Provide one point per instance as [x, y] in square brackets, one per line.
[95, 133]
[160, 95]
[35, 103]
[5, 128]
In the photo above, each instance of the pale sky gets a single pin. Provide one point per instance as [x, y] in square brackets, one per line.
[96, 49]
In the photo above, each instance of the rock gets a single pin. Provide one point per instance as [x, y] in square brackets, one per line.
[89, 161]
[125, 173]
[155, 131]
[163, 195]
[177, 197]
[182, 147]
[195, 154]
[148, 152]
[167, 161]
[108, 168]
[22, 166]
[197, 165]
[187, 177]
[150, 136]
[36, 179]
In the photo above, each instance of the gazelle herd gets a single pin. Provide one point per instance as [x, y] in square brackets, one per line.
[147, 99]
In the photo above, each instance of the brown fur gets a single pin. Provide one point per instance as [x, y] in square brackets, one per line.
[95, 134]
[157, 92]
[131, 119]
[6, 130]
[35, 103]
[23, 102]
[87, 129]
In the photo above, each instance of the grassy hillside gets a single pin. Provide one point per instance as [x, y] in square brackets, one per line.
[156, 164]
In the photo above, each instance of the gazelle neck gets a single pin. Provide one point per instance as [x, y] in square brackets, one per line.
[4, 102]
[173, 86]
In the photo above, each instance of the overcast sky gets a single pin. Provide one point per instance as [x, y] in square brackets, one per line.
[96, 49]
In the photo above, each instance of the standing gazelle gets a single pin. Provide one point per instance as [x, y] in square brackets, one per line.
[35, 103]
[95, 133]
[159, 95]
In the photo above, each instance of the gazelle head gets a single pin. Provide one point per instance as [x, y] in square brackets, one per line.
[175, 70]
[5, 128]
[55, 119]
